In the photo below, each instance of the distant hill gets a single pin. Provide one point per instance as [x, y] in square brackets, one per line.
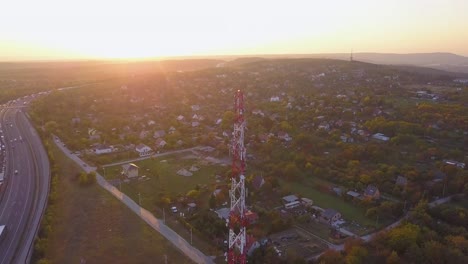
[306, 64]
[439, 60]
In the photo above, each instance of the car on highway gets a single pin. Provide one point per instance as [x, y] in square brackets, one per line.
[16, 171]
[3, 230]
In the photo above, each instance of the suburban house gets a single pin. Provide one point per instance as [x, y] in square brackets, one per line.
[144, 134]
[195, 107]
[460, 165]
[307, 202]
[160, 143]
[102, 149]
[353, 194]
[291, 201]
[290, 198]
[159, 134]
[252, 217]
[372, 192]
[143, 150]
[274, 99]
[381, 137]
[191, 207]
[264, 137]
[329, 216]
[75, 120]
[337, 190]
[195, 124]
[223, 213]
[130, 170]
[258, 112]
[284, 136]
[401, 181]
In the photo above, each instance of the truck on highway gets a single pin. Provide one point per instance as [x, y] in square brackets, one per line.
[2, 232]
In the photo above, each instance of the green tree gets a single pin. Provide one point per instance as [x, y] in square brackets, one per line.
[393, 258]
[404, 236]
[83, 179]
[228, 119]
[332, 257]
[212, 201]
[91, 177]
[51, 127]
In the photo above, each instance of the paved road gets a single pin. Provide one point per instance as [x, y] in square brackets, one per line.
[23, 195]
[178, 241]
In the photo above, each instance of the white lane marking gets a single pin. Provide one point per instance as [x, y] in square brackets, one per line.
[23, 211]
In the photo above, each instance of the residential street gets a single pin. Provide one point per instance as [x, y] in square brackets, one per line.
[194, 254]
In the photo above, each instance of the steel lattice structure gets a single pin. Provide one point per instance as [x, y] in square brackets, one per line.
[237, 252]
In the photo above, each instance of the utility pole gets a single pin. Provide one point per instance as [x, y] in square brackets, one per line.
[164, 216]
[191, 236]
[139, 199]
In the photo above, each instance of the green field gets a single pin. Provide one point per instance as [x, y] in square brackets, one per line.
[162, 177]
[349, 211]
[92, 226]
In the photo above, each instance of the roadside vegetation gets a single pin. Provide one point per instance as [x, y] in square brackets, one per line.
[88, 224]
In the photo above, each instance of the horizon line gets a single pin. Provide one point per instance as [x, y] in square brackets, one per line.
[226, 56]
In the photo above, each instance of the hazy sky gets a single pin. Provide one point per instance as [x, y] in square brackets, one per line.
[51, 29]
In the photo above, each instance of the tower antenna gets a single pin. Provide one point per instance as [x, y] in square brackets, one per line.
[237, 222]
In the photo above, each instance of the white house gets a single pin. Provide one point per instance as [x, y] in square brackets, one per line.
[284, 136]
[274, 99]
[143, 150]
[380, 136]
[160, 143]
[102, 149]
[159, 134]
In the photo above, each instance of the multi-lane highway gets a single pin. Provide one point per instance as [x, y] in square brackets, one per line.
[24, 191]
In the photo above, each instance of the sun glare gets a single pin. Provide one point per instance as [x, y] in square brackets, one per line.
[136, 29]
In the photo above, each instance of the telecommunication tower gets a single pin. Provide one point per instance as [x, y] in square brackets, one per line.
[237, 222]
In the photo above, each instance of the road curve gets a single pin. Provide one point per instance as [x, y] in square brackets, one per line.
[23, 194]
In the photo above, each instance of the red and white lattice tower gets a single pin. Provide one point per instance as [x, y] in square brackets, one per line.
[237, 252]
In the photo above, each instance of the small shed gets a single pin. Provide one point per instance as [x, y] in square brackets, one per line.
[130, 170]
[290, 198]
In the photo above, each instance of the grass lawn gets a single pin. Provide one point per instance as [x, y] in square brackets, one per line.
[95, 227]
[349, 211]
[163, 178]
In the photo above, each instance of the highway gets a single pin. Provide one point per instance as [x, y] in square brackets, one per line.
[23, 195]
